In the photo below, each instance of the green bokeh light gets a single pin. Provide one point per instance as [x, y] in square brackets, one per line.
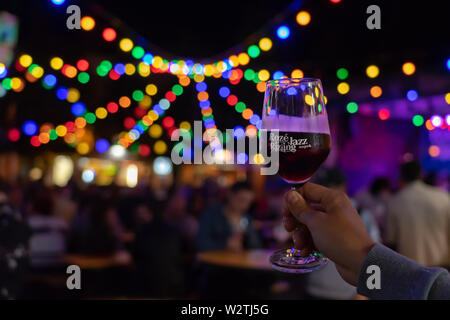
[342, 73]
[138, 95]
[352, 107]
[83, 77]
[418, 120]
[249, 74]
[90, 117]
[137, 52]
[240, 106]
[253, 51]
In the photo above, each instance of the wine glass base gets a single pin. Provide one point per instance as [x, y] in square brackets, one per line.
[291, 261]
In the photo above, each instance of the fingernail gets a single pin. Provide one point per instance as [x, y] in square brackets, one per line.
[293, 197]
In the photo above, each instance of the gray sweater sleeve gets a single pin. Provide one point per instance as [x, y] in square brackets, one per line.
[402, 278]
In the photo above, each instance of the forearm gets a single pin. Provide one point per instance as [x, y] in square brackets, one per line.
[402, 278]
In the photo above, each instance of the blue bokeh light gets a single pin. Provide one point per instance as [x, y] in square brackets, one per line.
[283, 32]
[224, 92]
[412, 95]
[29, 128]
[78, 108]
[102, 145]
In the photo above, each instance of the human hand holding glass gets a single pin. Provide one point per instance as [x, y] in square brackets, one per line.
[295, 117]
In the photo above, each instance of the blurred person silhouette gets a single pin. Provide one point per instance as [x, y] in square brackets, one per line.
[418, 219]
[14, 236]
[97, 230]
[157, 253]
[228, 226]
[177, 216]
[326, 283]
[64, 206]
[375, 200]
[48, 232]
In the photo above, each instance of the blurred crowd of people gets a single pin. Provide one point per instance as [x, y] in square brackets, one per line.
[160, 231]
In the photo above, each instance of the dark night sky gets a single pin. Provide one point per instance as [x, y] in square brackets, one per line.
[336, 37]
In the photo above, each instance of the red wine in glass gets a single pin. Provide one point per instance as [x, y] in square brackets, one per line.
[295, 117]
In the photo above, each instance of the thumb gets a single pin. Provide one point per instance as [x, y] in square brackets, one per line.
[299, 208]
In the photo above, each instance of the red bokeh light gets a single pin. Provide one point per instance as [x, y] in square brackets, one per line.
[144, 150]
[112, 107]
[35, 141]
[13, 134]
[168, 122]
[384, 114]
[113, 75]
[82, 65]
[140, 112]
[232, 100]
[129, 123]
[170, 96]
[109, 34]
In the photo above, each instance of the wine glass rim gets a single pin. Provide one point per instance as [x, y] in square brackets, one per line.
[292, 81]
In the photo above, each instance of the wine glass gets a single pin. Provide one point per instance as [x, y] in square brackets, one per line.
[296, 121]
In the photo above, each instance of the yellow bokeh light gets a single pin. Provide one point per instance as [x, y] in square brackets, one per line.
[126, 44]
[185, 125]
[447, 98]
[376, 91]
[155, 130]
[199, 78]
[151, 89]
[303, 18]
[87, 23]
[258, 158]
[235, 60]
[408, 68]
[263, 75]
[297, 73]
[309, 100]
[209, 70]
[61, 130]
[157, 62]
[160, 147]
[25, 60]
[101, 113]
[144, 69]
[153, 115]
[82, 148]
[145, 102]
[2, 67]
[343, 88]
[37, 72]
[243, 58]
[265, 44]
[130, 69]
[15, 83]
[56, 63]
[73, 95]
[372, 71]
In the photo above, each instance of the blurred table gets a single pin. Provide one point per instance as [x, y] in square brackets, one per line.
[248, 259]
[121, 259]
